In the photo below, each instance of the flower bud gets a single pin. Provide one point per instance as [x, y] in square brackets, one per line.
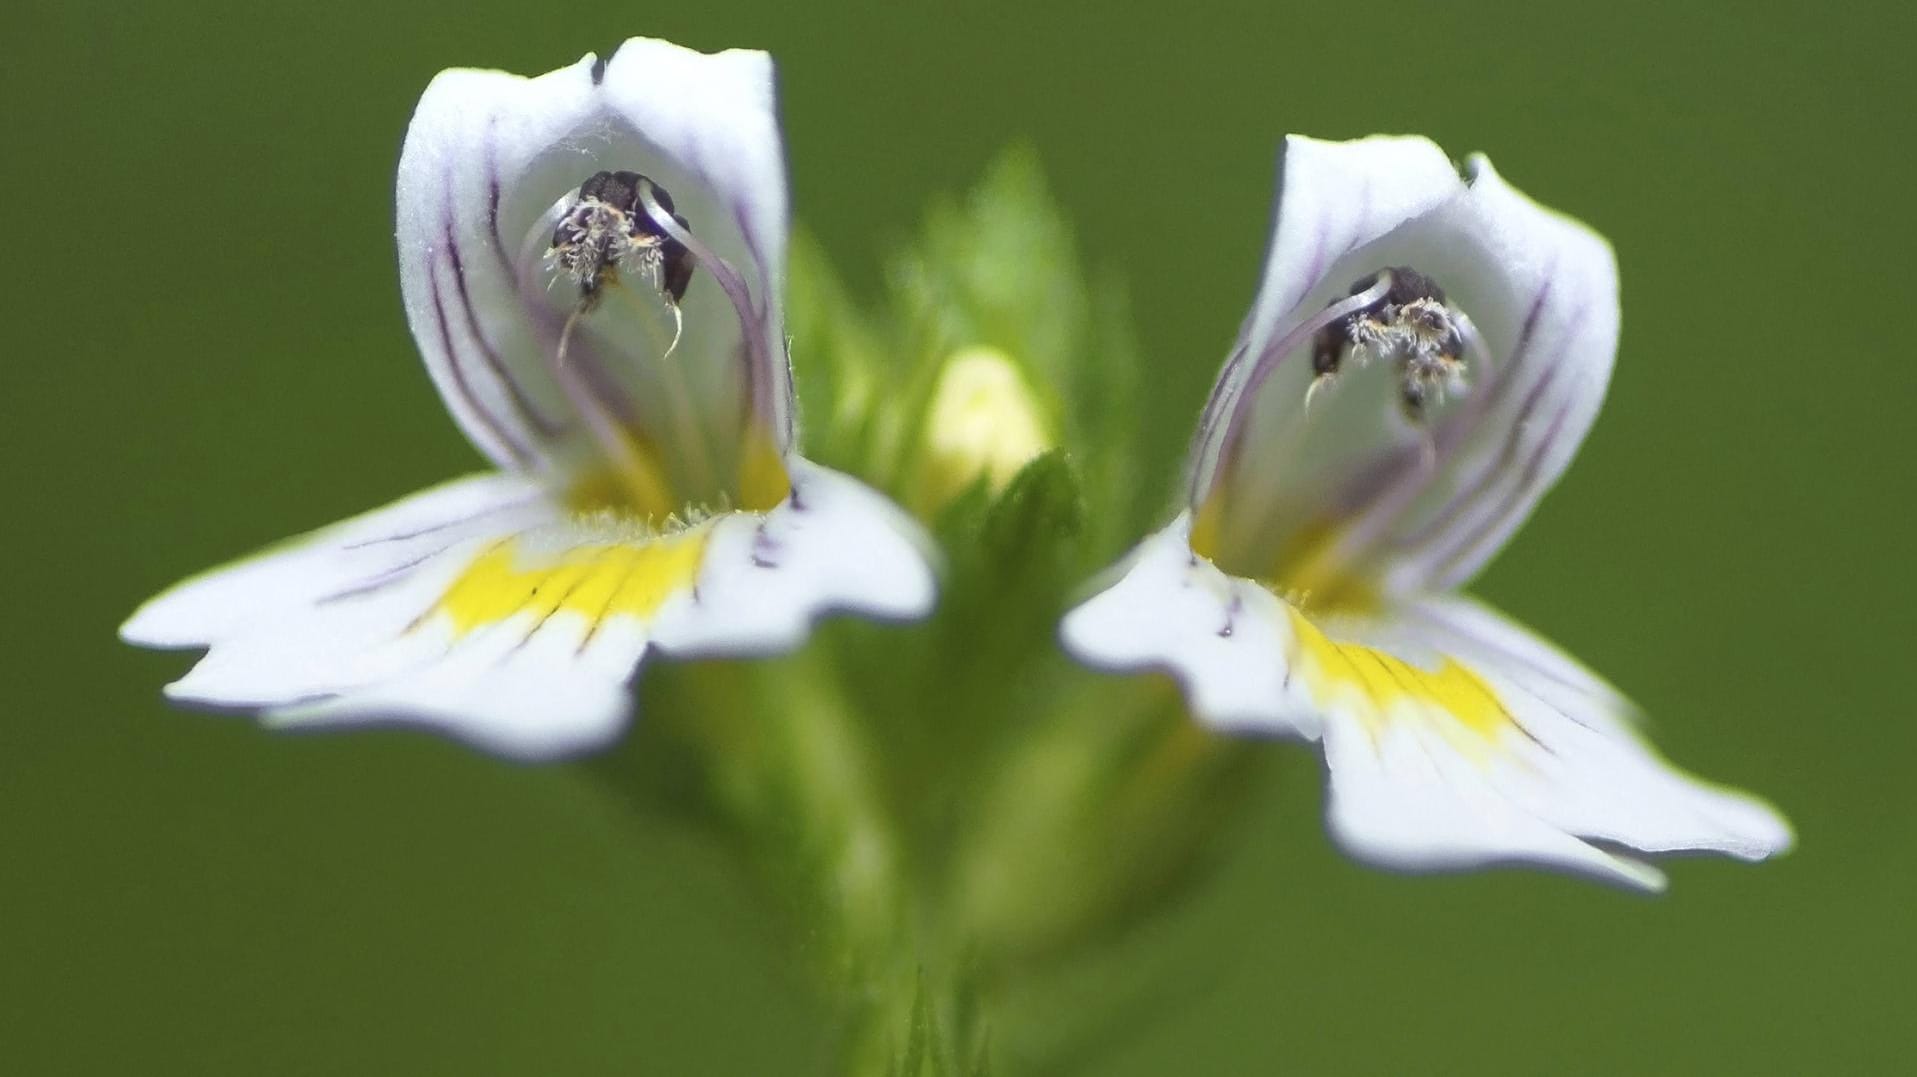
[983, 424]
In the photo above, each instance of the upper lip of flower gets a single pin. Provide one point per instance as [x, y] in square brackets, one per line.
[1415, 510]
[493, 161]
[1306, 589]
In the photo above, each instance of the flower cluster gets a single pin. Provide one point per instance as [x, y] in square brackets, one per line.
[594, 269]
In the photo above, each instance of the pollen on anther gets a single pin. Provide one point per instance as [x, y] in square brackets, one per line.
[1411, 324]
[607, 231]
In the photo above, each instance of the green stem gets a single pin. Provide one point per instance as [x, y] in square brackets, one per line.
[801, 786]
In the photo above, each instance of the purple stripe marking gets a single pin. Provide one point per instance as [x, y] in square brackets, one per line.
[1458, 549]
[586, 352]
[493, 193]
[759, 366]
[407, 536]
[1454, 627]
[1507, 378]
[1519, 493]
[380, 581]
[528, 412]
[520, 453]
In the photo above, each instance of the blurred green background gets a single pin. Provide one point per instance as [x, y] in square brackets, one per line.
[204, 351]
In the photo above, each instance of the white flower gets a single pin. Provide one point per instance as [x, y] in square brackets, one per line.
[1453, 340]
[592, 265]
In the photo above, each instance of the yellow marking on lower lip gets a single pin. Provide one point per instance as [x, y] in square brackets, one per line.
[1303, 574]
[598, 582]
[1379, 687]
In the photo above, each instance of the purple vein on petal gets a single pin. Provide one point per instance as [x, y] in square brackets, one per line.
[757, 366]
[421, 532]
[528, 411]
[379, 581]
[1505, 380]
[521, 454]
[1451, 626]
[1489, 523]
[1361, 490]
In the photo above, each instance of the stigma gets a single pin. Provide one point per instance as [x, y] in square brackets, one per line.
[608, 231]
[1411, 324]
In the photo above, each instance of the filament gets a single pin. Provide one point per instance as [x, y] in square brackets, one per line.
[1375, 521]
[734, 286]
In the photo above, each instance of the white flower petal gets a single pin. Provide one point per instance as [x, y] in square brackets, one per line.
[362, 634]
[1438, 763]
[1350, 489]
[1334, 198]
[1219, 637]
[517, 630]
[518, 638]
[487, 160]
[1539, 404]
[834, 545]
[1408, 800]
[1482, 637]
[519, 690]
[1454, 738]
[335, 561]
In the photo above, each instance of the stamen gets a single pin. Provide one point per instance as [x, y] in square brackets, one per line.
[1312, 390]
[729, 281]
[624, 223]
[1236, 409]
[604, 233]
[678, 330]
[1412, 323]
[1360, 539]
[675, 228]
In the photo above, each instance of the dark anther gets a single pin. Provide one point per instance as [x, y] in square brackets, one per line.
[608, 228]
[1411, 323]
[1328, 348]
[1407, 286]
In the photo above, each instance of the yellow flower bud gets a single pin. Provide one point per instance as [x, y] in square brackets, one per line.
[983, 423]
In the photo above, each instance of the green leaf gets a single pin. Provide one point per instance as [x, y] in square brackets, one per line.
[1037, 521]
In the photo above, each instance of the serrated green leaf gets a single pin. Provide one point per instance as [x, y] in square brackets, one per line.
[1041, 511]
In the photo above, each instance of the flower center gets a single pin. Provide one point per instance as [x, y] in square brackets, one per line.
[617, 226]
[661, 429]
[1409, 323]
[1372, 477]
[608, 229]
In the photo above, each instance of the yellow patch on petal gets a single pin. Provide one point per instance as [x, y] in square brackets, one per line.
[764, 481]
[1308, 572]
[1378, 687]
[598, 581]
[1207, 523]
